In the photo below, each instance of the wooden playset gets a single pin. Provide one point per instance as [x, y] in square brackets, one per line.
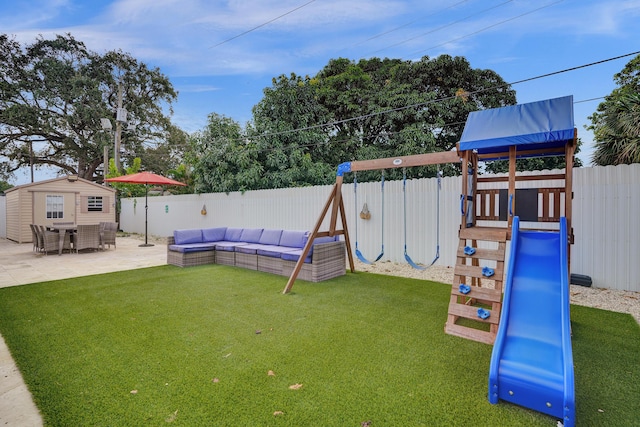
[488, 204]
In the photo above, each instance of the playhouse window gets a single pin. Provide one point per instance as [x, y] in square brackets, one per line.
[55, 207]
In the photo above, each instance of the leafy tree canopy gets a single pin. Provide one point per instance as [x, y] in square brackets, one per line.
[53, 94]
[305, 126]
[4, 185]
[616, 122]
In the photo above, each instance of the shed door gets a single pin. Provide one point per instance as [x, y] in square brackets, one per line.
[50, 207]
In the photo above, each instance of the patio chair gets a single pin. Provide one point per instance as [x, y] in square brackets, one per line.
[35, 238]
[108, 234]
[51, 241]
[87, 237]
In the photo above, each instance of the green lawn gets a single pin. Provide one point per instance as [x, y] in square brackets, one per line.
[195, 347]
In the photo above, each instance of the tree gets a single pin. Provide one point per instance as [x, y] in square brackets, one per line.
[389, 107]
[616, 122]
[223, 160]
[53, 94]
[292, 152]
[305, 126]
[4, 186]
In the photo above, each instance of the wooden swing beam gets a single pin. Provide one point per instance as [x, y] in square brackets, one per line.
[336, 203]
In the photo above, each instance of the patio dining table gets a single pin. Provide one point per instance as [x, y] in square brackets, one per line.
[62, 231]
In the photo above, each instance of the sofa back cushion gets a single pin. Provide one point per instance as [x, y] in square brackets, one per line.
[233, 234]
[213, 234]
[251, 235]
[294, 239]
[182, 237]
[270, 237]
[326, 239]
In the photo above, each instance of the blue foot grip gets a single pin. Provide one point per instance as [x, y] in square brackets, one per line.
[464, 289]
[468, 250]
[483, 314]
[487, 272]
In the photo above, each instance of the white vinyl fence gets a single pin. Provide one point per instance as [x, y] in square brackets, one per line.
[3, 216]
[606, 218]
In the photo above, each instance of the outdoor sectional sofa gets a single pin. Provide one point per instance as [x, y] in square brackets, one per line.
[269, 250]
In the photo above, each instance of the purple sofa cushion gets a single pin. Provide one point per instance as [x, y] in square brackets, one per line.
[294, 255]
[294, 239]
[326, 239]
[252, 248]
[193, 247]
[228, 246]
[213, 234]
[270, 237]
[251, 235]
[182, 237]
[274, 251]
[233, 234]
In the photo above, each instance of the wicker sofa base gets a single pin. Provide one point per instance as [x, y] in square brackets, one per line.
[249, 261]
[226, 258]
[191, 259]
[332, 265]
[327, 261]
[270, 264]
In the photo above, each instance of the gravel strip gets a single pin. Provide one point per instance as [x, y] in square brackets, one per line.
[606, 299]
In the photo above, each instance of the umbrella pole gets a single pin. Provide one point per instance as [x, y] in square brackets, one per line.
[146, 210]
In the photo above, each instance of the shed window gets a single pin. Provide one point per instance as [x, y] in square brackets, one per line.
[55, 207]
[94, 203]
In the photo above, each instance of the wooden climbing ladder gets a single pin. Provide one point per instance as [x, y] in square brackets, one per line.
[483, 293]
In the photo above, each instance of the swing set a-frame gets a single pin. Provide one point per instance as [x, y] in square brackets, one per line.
[335, 202]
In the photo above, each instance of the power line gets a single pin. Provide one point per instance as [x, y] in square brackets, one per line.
[421, 104]
[487, 28]
[318, 144]
[262, 25]
[589, 100]
[264, 135]
[409, 23]
[443, 26]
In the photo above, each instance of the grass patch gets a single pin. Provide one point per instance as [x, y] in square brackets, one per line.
[196, 345]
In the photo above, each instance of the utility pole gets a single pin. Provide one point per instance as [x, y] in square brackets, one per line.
[105, 153]
[121, 116]
[31, 158]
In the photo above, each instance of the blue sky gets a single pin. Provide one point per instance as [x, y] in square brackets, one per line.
[201, 47]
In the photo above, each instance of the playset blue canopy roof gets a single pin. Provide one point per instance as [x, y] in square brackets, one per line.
[543, 126]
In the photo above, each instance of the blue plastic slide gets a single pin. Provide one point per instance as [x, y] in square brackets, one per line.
[532, 360]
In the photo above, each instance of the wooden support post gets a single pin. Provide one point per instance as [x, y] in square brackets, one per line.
[343, 217]
[465, 189]
[512, 186]
[568, 184]
[336, 204]
[314, 233]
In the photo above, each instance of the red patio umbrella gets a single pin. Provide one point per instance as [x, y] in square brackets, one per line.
[145, 178]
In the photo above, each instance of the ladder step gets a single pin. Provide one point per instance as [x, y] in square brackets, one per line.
[476, 271]
[486, 234]
[487, 254]
[485, 294]
[470, 333]
[469, 312]
[465, 306]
